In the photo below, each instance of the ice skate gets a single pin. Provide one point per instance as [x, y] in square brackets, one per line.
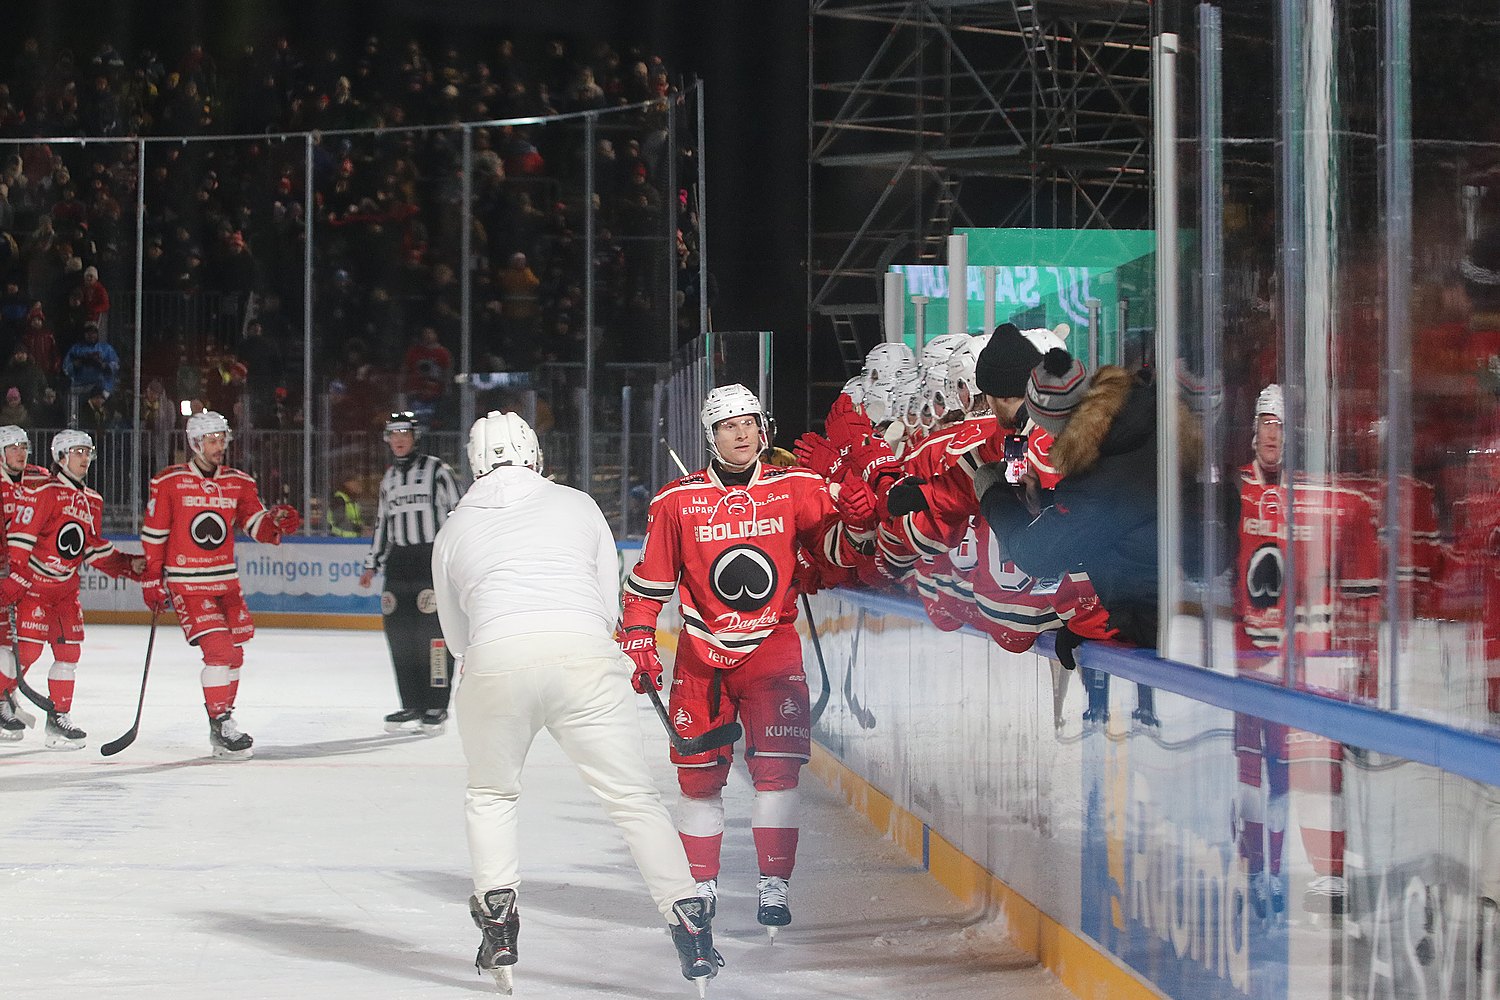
[12, 728]
[773, 913]
[1095, 719]
[19, 711]
[694, 937]
[62, 734]
[404, 721]
[1277, 885]
[708, 891]
[227, 741]
[1145, 718]
[1325, 894]
[496, 916]
[434, 721]
[1260, 895]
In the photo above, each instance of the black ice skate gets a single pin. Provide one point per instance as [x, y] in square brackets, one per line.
[434, 721]
[694, 937]
[12, 727]
[226, 740]
[62, 734]
[708, 891]
[497, 918]
[404, 721]
[774, 913]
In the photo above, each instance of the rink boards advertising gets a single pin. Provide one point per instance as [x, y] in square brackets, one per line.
[1122, 844]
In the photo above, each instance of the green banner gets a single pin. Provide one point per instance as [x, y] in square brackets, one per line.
[1044, 277]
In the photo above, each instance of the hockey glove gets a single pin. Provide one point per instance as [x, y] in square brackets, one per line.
[847, 426]
[906, 497]
[814, 451]
[855, 503]
[154, 593]
[874, 461]
[639, 643]
[12, 589]
[286, 518]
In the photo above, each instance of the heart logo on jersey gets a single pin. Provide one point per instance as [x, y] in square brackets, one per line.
[743, 577]
[208, 530]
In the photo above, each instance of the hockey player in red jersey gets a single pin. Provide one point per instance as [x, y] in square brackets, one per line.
[1337, 557]
[188, 535]
[54, 529]
[726, 539]
[15, 473]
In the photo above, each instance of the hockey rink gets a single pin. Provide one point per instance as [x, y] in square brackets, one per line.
[334, 864]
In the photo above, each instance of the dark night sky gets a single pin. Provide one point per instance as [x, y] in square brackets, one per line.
[752, 57]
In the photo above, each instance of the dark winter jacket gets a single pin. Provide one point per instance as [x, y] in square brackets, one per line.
[1103, 512]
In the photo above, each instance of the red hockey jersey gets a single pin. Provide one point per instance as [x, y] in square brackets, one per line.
[55, 528]
[733, 552]
[1338, 567]
[30, 478]
[190, 523]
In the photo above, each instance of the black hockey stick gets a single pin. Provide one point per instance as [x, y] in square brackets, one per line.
[812, 629]
[32, 695]
[115, 746]
[862, 715]
[719, 736]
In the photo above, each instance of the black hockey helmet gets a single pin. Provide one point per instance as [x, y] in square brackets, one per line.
[404, 420]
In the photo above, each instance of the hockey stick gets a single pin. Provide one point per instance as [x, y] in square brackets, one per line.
[812, 628]
[862, 715]
[115, 746]
[32, 695]
[719, 736]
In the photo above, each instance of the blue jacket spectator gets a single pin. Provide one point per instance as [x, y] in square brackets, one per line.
[91, 364]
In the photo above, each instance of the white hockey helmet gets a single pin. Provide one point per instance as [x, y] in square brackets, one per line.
[1272, 402]
[65, 441]
[405, 420]
[11, 435]
[885, 360]
[498, 439]
[203, 423]
[937, 350]
[855, 390]
[725, 402]
[934, 403]
[1044, 339]
[906, 398]
[960, 373]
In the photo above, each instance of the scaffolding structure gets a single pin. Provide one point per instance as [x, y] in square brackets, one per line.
[928, 115]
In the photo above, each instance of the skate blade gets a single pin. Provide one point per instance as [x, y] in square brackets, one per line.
[436, 730]
[702, 986]
[504, 980]
[771, 931]
[63, 743]
[223, 753]
[401, 727]
[11, 735]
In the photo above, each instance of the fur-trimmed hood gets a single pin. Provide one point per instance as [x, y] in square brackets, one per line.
[1111, 419]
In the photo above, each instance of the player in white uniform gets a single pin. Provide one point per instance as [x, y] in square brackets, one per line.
[526, 577]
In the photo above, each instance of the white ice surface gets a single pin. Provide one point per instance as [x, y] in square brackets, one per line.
[334, 864]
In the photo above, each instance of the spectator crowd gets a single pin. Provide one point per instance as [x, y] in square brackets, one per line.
[225, 227]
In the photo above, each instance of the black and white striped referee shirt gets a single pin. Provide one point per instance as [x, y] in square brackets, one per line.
[415, 499]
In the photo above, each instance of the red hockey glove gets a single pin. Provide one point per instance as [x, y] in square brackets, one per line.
[873, 461]
[814, 451]
[12, 589]
[906, 497]
[855, 503]
[154, 592]
[286, 518]
[847, 426]
[639, 643]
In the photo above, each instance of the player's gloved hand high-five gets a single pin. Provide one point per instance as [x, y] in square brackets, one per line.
[855, 503]
[639, 643]
[154, 593]
[286, 518]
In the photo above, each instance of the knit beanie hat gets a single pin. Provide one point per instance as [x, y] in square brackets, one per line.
[1055, 389]
[1006, 363]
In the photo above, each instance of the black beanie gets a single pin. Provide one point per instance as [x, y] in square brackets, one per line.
[1005, 364]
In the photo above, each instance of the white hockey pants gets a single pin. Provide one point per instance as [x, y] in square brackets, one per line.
[578, 688]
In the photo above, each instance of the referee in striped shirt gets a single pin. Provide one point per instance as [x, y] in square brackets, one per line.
[416, 495]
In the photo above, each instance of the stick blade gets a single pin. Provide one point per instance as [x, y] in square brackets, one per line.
[115, 746]
[720, 736]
